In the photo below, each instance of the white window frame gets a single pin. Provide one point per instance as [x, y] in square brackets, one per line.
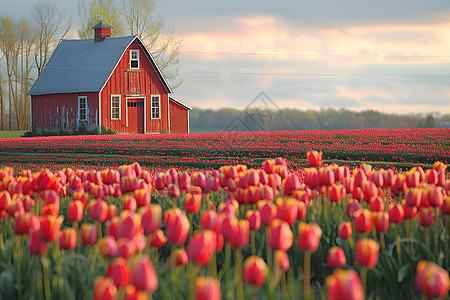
[79, 109]
[131, 59]
[120, 100]
[159, 106]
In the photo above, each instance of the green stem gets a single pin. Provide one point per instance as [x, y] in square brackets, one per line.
[427, 241]
[382, 240]
[364, 278]
[252, 241]
[238, 275]
[195, 270]
[268, 249]
[307, 274]
[45, 274]
[99, 230]
[399, 249]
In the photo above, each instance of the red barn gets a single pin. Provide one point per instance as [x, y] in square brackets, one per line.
[110, 82]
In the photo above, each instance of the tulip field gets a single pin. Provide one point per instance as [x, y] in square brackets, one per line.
[348, 214]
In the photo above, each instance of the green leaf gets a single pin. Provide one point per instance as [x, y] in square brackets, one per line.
[404, 272]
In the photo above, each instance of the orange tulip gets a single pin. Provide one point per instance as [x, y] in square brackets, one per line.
[68, 238]
[381, 221]
[158, 239]
[192, 203]
[143, 198]
[287, 210]
[25, 222]
[254, 219]
[50, 226]
[255, 270]
[344, 285]
[108, 247]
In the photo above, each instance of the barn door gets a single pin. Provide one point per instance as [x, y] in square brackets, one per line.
[135, 109]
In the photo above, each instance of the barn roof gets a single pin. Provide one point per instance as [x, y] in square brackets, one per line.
[179, 102]
[84, 66]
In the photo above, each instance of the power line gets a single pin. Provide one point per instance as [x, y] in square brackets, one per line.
[313, 55]
[320, 74]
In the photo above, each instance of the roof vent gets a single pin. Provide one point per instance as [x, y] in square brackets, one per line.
[101, 31]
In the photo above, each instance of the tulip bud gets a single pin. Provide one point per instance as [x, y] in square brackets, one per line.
[144, 276]
[255, 270]
[201, 246]
[314, 158]
[336, 257]
[192, 203]
[108, 247]
[211, 220]
[366, 252]
[396, 213]
[345, 230]
[281, 260]
[151, 218]
[431, 279]
[118, 270]
[158, 239]
[68, 238]
[75, 211]
[207, 288]
[344, 284]
[36, 245]
[177, 226]
[287, 210]
[50, 226]
[280, 235]
[268, 211]
[104, 289]
[88, 234]
[254, 219]
[381, 221]
[362, 219]
[309, 235]
[426, 217]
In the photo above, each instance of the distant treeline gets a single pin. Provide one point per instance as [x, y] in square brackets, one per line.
[229, 119]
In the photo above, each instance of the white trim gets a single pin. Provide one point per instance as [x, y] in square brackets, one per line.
[99, 130]
[86, 109]
[111, 106]
[138, 62]
[31, 113]
[179, 102]
[151, 107]
[168, 112]
[188, 129]
[148, 54]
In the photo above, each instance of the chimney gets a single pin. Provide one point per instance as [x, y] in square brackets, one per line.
[101, 31]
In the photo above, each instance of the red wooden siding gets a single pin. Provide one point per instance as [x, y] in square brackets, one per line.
[178, 118]
[132, 84]
[59, 111]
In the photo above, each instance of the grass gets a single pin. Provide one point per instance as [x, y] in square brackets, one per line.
[11, 134]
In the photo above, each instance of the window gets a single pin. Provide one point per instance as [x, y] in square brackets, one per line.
[156, 107]
[82, 108]
[134, 59]
[115, 107]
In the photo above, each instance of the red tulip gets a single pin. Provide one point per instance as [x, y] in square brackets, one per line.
[143, 274]
[426, 217]
[344, 285]
[254, 219]
[88, 234]
[314, 158]
[281, 260]
[336, 257]
[158, 239]
[207, 288]
[309, 235]
[36, 245]
[151, 218]
[377, 204]
[381, 221]
[68, 238]
[362, 219]
[192, 203]
[268, 211]
[108, 246]
[129, 203]
[184, 181]
[211, 220]
[26, 222]
[119, 271]
[50, 226]
[201, 246]
[130, 225]
[287, 210]
[181, 257]
[131, 293]
[352, 207]
[104, 289]
[280, 235]
[366, 252]
[445, 208]
[410, 212]
[173, 190]
[345, 230]
[98, 210]
[126, 247]
[255, 270]
[236, 232]
[396, 213]
[291, 184]
[75, 211]
[336, 193]
[177, 226]
[432, 280]
[434, 196]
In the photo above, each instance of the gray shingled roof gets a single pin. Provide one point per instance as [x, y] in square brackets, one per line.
[81, 66]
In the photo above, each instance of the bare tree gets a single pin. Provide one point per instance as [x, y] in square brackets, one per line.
[141, 18]
[2, 103]
[96, 10]
[51, 29]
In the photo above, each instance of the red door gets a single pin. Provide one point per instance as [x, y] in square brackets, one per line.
[135, 115]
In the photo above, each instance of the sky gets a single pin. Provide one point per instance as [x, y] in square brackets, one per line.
[390, 56]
